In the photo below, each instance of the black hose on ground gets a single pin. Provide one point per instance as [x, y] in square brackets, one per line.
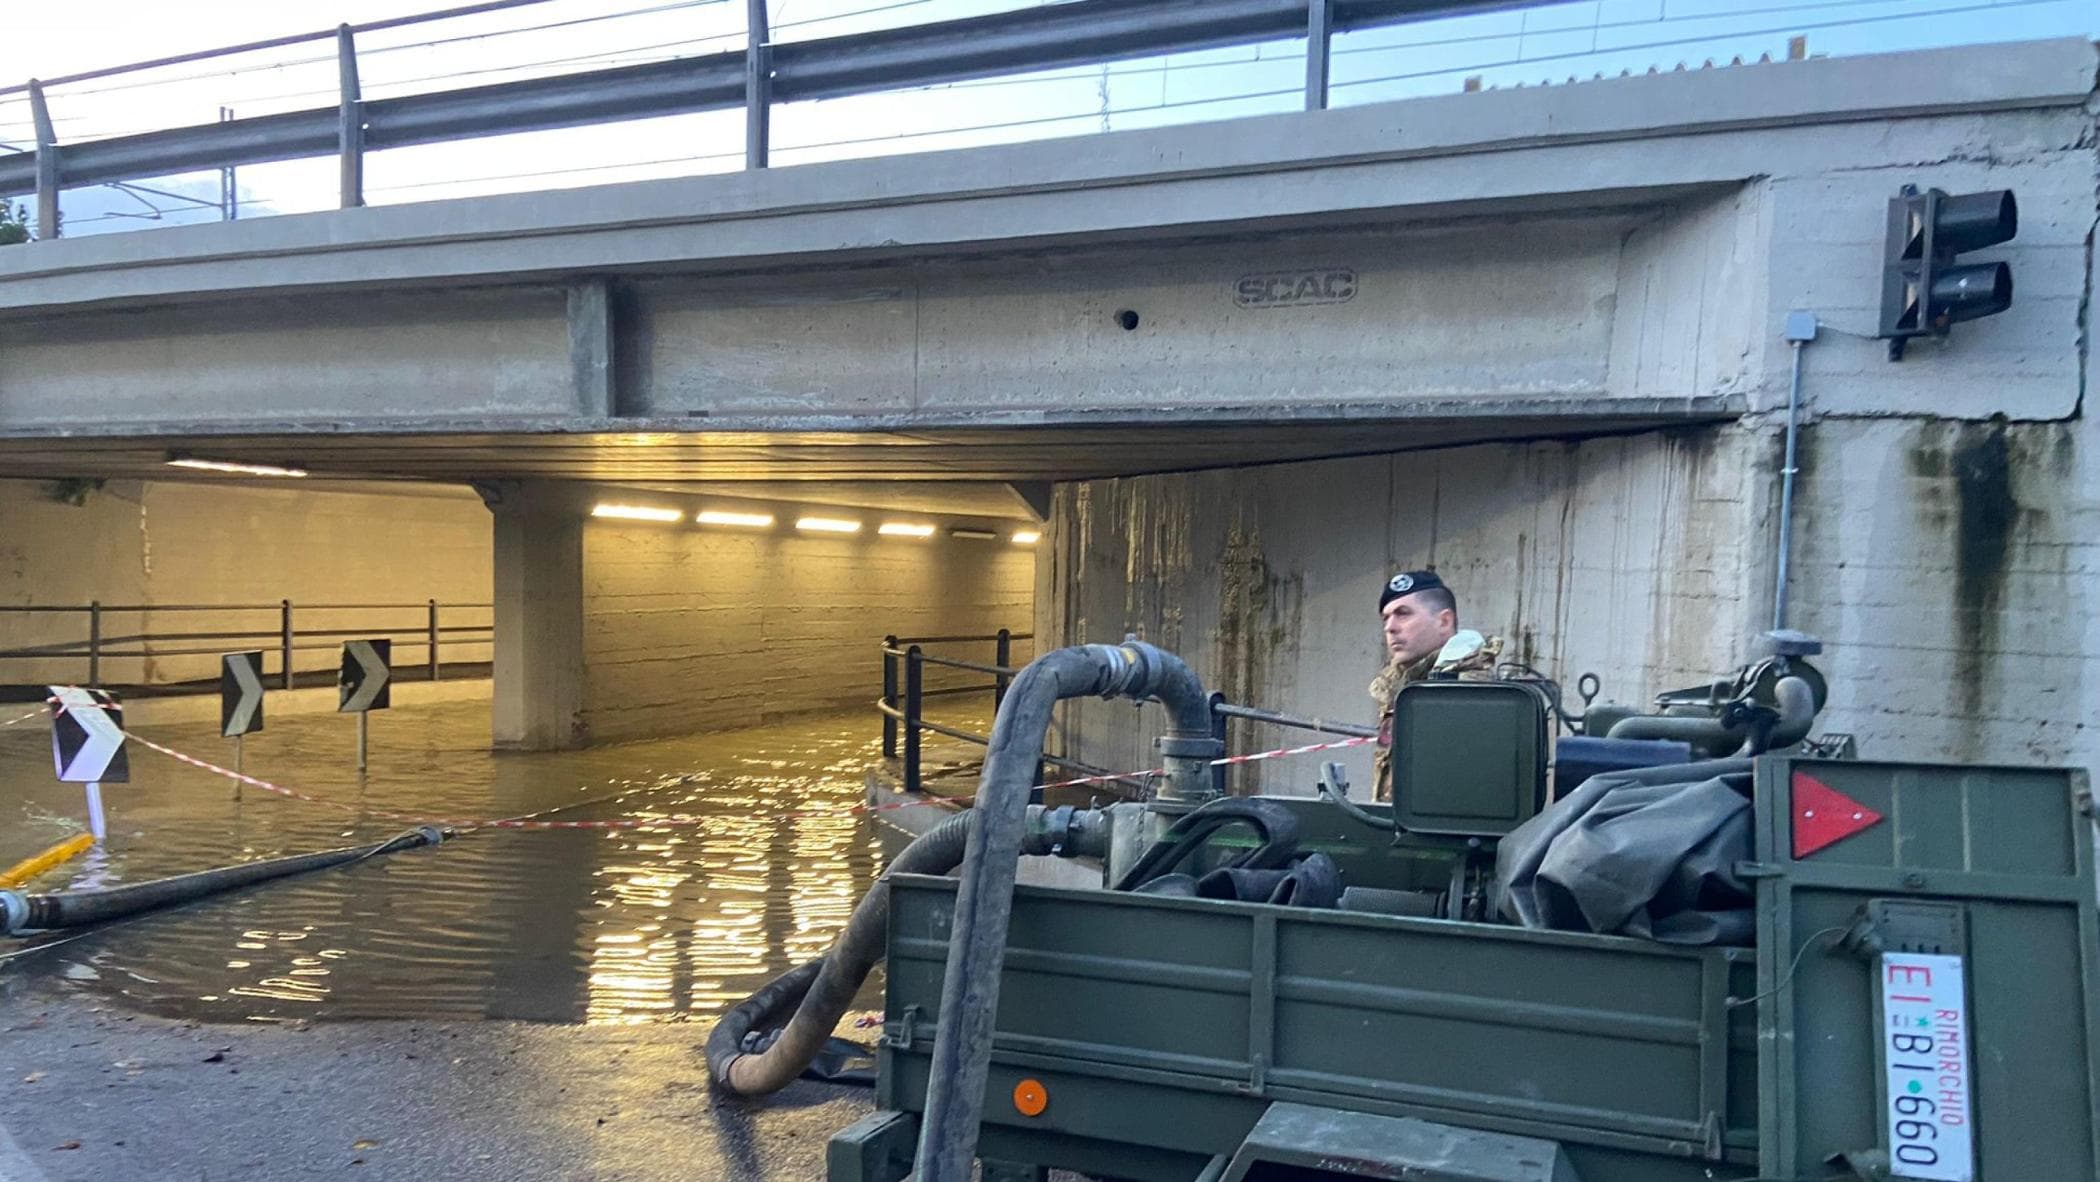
[819, 992]
[72, 909]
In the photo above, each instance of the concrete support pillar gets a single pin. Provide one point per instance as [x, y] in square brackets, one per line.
[538, 559]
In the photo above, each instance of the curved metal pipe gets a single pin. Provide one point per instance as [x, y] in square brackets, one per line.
[1797, 713]
[69, 909]
[984, 901]
[1699, 732]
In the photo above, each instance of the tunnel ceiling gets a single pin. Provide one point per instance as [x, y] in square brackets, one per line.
[768, 461]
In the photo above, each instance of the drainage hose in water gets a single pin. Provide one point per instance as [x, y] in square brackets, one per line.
[72, 909]
[818, 993]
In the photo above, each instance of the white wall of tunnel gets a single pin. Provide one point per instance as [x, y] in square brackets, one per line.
[163, 545]
[604, 629]
[608, 628]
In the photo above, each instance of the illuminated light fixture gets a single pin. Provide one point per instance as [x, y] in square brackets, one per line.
[827, 525]
[637, 513]
[904, 529]
[982, 535]
[1027, 537]
[724, 517]
[230, 466]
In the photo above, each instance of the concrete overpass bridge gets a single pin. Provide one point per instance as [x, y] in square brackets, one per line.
[1239, 368]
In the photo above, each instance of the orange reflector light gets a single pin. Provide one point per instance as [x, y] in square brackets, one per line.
[1029, 1098]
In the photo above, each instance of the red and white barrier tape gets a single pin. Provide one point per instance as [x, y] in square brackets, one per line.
[526, 820]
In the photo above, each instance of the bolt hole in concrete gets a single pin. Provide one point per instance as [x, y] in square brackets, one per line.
[596, 926]
[1127, 319]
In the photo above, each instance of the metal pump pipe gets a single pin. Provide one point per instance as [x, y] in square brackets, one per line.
[984, 901]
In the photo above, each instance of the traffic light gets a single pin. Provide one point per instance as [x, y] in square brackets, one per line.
[1923, 289]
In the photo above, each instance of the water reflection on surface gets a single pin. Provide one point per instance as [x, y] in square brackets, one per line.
[661, 923]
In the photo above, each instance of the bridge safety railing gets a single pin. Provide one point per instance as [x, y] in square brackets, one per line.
[904, 695]
[766, 72]
[94, 635]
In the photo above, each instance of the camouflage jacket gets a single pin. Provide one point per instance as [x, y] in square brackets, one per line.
[1478, 665]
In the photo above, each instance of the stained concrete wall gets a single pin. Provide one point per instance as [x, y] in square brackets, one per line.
[1947, 508]
[691, 629]
[1622, 556]
[148, 543]
[1953, 568]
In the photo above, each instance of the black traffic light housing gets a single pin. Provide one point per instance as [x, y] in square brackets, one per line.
[1923, 289]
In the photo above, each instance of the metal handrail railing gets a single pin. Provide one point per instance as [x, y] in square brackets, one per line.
[765, 72]
[284, 637]
[900, 707]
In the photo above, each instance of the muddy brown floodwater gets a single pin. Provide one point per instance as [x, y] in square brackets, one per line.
[668, 922]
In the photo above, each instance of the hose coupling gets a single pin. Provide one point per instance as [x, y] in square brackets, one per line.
[14, 912]
[1122, 666]
[432, 835]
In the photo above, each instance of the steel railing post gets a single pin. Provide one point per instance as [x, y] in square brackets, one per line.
[889, 697]
[46, 162]
[94, 642]
[758, 85]
[285, 625]
[1217, 731]
[350, 120]
[913, 689]
[433, 640]
[1003, 659]
[1319, 25]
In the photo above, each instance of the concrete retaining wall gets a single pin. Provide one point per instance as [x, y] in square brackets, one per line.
[133, 542]
[694, 629]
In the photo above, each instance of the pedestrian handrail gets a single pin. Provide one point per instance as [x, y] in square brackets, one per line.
[764, 73]
[285, 636]
[904, 693]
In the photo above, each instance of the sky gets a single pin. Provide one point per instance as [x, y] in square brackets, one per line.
[1540, 44]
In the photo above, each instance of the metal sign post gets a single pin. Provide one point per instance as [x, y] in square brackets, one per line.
[240, 702]
[87, 745]
[365, 685]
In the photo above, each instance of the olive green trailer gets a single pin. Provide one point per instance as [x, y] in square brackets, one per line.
[1923, 1001]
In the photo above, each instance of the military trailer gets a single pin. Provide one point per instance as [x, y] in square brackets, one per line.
[1914, 992]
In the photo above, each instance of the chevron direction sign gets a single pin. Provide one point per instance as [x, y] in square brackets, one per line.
[87, 736]
[365, 683]
[240, 694]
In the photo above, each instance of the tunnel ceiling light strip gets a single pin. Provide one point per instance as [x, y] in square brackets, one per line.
[637, 513]
[1027, 537]
[827, 525]
[982, 535]
[904, 529]
[724, 517]
[230, 466]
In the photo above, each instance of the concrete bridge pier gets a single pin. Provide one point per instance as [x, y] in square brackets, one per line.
[537, 535]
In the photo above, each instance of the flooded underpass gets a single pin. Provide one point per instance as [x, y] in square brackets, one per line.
[753, 851]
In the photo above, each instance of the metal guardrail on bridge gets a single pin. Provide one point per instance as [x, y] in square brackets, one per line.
[284, 635]
[1076, 33]
[904, 693]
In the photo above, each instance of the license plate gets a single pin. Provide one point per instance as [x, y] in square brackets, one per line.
[1925, 1055]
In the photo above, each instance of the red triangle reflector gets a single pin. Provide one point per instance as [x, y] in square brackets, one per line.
[1823, 816]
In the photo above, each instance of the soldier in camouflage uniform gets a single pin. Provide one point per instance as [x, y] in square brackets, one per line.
[1422, 639]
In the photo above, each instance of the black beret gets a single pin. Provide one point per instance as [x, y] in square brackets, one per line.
[1407, 582]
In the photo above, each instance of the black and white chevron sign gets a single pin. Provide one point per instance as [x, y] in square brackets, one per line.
[366, 680]
[87, 736]
[240, 694]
